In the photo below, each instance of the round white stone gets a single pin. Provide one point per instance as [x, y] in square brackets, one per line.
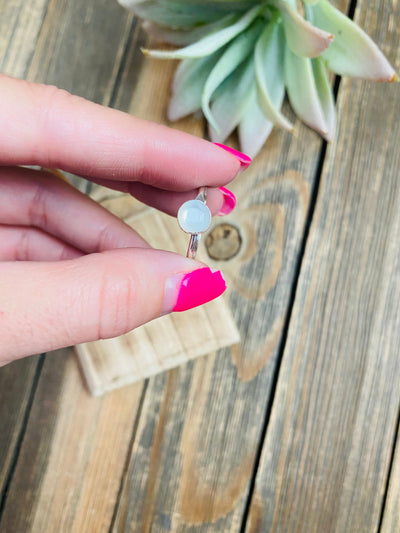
[194, 217]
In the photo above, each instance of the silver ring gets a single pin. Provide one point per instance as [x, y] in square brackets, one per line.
[202, 196]
[194, 217]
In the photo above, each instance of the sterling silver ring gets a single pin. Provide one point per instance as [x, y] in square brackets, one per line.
[194, 218]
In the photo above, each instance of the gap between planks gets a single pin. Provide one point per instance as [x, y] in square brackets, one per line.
[21, 435]
[393, 450]
[390, 473]
[285, 329]
[128, 455]
[309, 218]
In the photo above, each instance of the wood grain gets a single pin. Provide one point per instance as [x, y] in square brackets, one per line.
[325, 459]
[20, 24]
[15, 388]
[80, 47]
[73, 454]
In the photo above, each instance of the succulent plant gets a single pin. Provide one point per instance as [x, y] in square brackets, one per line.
[240, 57]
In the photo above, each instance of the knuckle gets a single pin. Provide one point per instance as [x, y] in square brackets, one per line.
[117, 295]
[49, 98]
[48, 102]
[37, 211]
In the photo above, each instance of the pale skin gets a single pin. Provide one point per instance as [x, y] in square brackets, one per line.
[70, 271]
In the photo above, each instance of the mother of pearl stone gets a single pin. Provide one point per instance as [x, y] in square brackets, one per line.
[194, 217]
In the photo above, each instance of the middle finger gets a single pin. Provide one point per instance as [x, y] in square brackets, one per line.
[39, 199]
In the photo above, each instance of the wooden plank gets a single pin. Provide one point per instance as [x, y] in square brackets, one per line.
[20, 23]
[191, 462]
[391, 515]
[15, 389]
[80, 47]
[73, 454]
[325, 459]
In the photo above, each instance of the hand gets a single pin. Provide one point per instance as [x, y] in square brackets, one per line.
[71, 272]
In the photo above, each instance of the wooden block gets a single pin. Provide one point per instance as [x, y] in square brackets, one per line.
[168, 341]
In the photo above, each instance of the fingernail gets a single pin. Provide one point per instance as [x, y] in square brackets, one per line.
[229, 202]
[185, 291]
[244, 159]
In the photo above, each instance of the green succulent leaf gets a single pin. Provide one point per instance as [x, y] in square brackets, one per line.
[186, 36]
[352, 53]
[310, 98]
[177, 14]
[325, 94]
[269, 67]
[303, 38]
[231, 101]
[239, 57]
[212, 42]
[187, 87]
[237, 51]
[254, 127]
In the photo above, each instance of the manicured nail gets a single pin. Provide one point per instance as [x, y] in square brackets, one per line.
[244, 159]
[229, 202]
[185, 291]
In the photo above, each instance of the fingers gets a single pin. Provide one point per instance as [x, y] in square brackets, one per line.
[33, 198]
[220, 201]
[44, 306]
[44, 126]
[31, 244]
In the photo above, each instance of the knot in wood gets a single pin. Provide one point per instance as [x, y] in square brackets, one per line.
[223, 242]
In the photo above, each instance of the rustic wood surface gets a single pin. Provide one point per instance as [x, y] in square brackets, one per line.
[296, 428]
[328, 449]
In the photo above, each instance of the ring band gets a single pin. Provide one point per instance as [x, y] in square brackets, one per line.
[194, 217]
[202, 196]
[194, 242]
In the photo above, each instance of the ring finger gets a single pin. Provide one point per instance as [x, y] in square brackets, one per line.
[220, 201]
[36, 198]
[19, 243]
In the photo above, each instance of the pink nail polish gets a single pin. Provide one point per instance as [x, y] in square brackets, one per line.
[244, 159]
[185, 291]
[229, 202]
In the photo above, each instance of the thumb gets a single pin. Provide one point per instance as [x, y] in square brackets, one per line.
[49, 305]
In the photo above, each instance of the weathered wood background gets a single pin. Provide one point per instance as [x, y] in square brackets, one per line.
[296, 430]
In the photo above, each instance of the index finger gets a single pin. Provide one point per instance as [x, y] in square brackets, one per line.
[46, 126]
